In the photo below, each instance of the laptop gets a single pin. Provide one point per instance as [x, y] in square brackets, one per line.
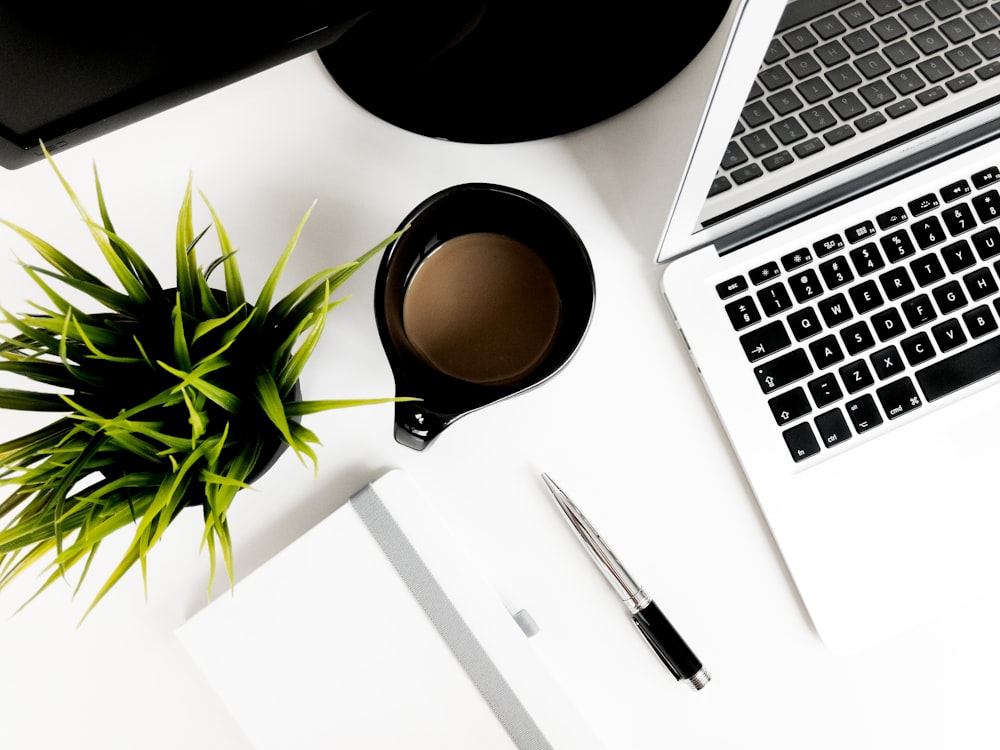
[843, 311]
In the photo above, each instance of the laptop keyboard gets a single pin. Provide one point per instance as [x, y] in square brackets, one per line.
[852, 68]
[856, 329]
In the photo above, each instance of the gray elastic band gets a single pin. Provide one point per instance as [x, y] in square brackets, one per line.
[449, 623]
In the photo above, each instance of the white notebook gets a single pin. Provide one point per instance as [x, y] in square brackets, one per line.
[374, 630]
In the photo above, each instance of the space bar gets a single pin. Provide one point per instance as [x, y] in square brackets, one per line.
[965, 368]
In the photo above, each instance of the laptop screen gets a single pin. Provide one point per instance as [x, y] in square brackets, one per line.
[808, 103]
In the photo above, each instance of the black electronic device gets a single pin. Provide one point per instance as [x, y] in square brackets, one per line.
[465, 70]
[74, 73]
[500, 71]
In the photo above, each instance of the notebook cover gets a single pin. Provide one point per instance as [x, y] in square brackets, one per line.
[374, 630]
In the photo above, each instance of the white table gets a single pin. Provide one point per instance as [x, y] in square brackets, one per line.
[626, 429]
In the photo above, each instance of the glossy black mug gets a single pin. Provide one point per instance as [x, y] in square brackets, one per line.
[487, 292]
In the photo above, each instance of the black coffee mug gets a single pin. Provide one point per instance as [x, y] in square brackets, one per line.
[487, 292]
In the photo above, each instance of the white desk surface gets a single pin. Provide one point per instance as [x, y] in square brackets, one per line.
[626, 429]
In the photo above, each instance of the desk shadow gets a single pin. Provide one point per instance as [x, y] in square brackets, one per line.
[629, 161]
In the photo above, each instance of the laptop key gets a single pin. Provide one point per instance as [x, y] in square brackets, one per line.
[958, 256]
[805, 285]
[899, 397]
[732, 286]
[818, 118]
[832, 427]
[774, 299]
[864, 413]
[989, 71]
[898, 109]
[765, 341]
[907, 81]
[825, 389]
[955, 190]
[859, 232]
[777, 161]
[826, 351]
[980, 283]
[928, 232]
[931, 95]
[961, 83]
[734, 156]
[747, 173]
[986, 177]
[923, 204]
[836, 272]
[828, 245]
[948, 335]
[867, 258]
[987, 46]
[789, 130]
[987, 205]
[897, 246]
[764, 272]
[743, 313]
[891, 218]
[789, 406]
[847, 106]
[795, 259]
[927, 269]
[857, 337]
[950, 297]
[873, 120]
[856, 376]
[801, 442]
[887, 362]
[775, 52]
[935, 69]
[719, 185]
[783, 370]
[838, 135]
[917, 348]
[979, 321]
[808, 148]
[959, 218]
[866, 297]
[835, 310]
[804, 323]
[953, 373]
[987, 243]
[918, 310]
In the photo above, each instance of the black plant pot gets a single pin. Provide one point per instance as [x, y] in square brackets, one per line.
[242, 427]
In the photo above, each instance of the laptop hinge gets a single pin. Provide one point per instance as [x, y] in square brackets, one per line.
[839, 195]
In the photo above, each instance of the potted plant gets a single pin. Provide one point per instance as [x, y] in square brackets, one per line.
[164, 396]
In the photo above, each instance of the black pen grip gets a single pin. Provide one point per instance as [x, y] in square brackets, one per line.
[666, 642]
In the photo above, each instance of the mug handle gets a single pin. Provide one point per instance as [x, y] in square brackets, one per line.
[417, 426]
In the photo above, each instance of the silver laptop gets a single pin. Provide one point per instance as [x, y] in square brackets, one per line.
[834, 267]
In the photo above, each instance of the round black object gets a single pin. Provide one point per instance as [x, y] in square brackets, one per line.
[502, 71]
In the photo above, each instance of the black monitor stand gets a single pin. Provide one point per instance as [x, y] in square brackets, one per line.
[501, 71]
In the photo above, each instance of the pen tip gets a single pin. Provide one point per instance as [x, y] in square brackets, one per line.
[549, 483]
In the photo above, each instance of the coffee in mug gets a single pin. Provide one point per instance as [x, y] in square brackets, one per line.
[486, 293]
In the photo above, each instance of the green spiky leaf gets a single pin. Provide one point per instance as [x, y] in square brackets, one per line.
[168, 395]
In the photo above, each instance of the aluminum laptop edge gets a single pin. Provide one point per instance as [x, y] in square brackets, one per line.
[892, 526]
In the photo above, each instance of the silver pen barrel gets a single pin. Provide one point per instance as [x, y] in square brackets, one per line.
[631, 593]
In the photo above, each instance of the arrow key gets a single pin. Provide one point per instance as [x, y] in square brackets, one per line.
[789, 406]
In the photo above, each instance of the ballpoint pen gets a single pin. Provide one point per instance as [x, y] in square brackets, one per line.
[650, 621]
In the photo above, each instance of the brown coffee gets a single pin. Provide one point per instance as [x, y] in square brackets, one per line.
[482, 308]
